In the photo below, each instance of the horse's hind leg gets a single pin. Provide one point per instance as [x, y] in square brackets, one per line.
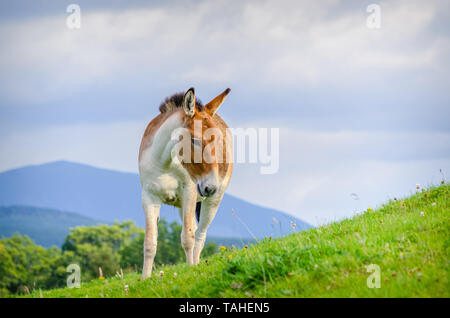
[151, 207]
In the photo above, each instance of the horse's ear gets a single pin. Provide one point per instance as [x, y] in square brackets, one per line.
[214, 105]
[189, 102]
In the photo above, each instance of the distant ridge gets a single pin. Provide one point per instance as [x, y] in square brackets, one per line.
[108, 195]
[46, 227]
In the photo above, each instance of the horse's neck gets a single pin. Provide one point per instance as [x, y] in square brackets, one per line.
[162, 143]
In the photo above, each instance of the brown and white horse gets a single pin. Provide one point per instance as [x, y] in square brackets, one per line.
[195, 187]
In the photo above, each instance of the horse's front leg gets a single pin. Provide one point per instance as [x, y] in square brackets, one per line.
[207, 214]
[189, 225]
[152, 206]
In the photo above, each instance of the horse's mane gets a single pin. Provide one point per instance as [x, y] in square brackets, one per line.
[176, 101]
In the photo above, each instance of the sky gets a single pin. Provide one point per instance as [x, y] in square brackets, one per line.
[360, 110]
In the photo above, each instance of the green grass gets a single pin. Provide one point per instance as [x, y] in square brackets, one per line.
[412, 251]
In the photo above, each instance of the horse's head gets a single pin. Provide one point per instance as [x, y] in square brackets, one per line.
[207, 142]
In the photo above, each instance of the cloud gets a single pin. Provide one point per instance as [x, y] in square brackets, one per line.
[319, 170]
[111, 145]
[271, 43]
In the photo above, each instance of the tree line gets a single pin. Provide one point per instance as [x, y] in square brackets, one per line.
[116, 248]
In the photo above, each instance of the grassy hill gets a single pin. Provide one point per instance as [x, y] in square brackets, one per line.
[409, 239]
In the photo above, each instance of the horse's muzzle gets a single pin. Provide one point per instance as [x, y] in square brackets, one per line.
[206, 191]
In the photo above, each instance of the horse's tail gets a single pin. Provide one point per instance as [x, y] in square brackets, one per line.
[197, 211]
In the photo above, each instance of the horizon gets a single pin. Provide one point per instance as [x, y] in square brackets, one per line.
[257, 204]
[72, 163]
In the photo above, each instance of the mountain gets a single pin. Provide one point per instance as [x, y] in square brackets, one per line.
[109, 195]
[46, 227]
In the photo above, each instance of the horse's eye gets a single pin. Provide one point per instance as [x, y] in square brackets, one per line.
[196, 142]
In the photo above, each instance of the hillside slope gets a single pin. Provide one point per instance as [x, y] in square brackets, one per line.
[111, 195]
[408, 239]
[46, 227]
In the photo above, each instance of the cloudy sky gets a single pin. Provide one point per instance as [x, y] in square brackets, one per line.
[360, 110]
